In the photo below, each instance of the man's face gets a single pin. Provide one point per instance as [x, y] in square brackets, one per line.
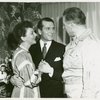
[47, 31]
[68, 26]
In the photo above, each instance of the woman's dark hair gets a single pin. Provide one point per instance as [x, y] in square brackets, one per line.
[12, 44]
[40, 25]
[18, 31]
[75, 14]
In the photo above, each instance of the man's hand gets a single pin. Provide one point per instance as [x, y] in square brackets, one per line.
[38, 74]
[44, 67]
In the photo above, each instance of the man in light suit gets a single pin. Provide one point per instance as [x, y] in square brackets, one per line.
[82, 57]
[51, 66]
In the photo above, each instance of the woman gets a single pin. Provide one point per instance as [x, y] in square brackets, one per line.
[23, 67]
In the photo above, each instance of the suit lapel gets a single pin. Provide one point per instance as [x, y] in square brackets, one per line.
[50, 51]
[39, 50]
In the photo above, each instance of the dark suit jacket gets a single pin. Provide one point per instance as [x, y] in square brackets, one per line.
[50, 86]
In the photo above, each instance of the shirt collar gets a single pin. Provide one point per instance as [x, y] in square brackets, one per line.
[42, 44]
[22, 47]
[85, 34]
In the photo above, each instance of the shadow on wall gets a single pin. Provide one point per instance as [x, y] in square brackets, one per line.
[61, 33]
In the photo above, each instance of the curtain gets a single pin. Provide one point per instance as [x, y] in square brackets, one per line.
[55, 10]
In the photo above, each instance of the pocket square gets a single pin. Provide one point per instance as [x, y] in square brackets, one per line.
[57, 59]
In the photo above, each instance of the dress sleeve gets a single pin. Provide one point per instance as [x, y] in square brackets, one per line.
[26, 69]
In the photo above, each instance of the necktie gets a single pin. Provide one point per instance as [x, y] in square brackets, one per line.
[44, 50]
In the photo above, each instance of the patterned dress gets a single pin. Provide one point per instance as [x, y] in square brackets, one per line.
[24, 68]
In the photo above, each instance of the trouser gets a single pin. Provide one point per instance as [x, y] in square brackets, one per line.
[73, 91]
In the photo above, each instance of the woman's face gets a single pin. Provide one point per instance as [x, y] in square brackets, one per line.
[30, 36]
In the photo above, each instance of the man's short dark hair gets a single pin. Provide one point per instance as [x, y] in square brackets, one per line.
[39, 26]
[75, 14]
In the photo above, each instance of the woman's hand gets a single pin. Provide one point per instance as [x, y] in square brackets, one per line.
[16, 81]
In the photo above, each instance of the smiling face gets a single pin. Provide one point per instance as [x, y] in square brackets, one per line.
[30, 36]
[47, 31]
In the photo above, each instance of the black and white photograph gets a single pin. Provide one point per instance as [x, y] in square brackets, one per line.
[50, 49]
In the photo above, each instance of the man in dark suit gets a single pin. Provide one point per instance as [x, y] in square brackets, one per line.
[49, 61]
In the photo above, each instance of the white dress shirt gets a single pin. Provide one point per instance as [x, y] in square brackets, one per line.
[47, 46]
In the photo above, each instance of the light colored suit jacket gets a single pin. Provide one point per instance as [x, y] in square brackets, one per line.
[82, 67]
